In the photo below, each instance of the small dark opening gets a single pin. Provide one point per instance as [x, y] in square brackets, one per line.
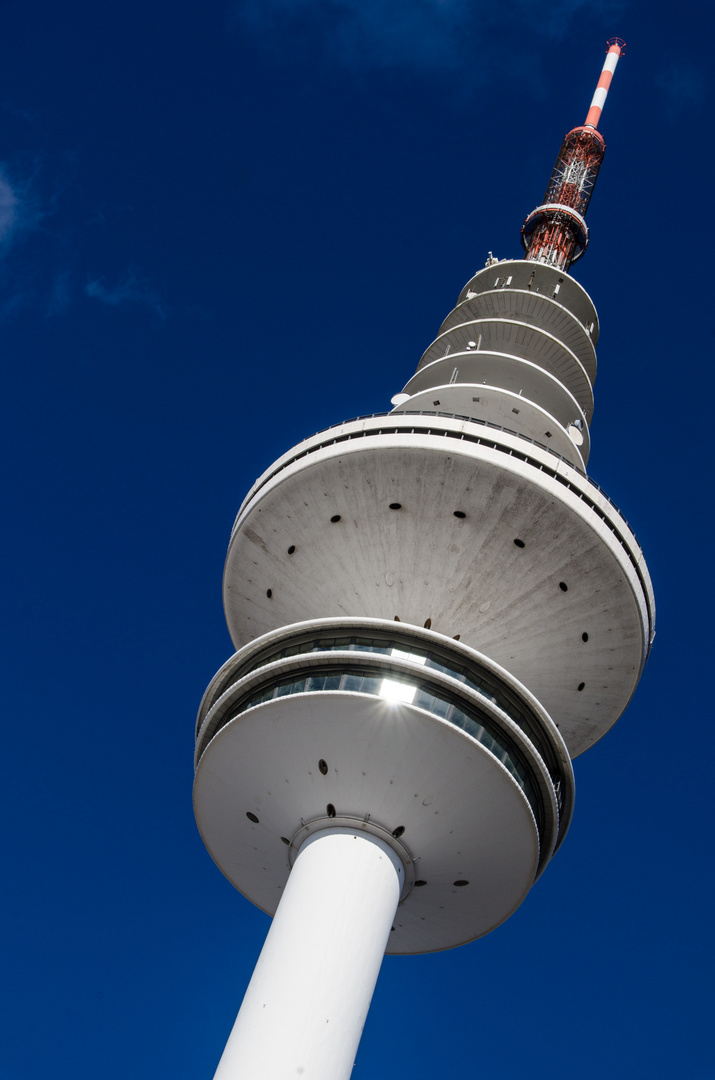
[395, 506]
[251, 817]
[285, 840]
[584, 637]
[419, 884]
[519, 543]
[291, 549]
[428, 624]
[563, 586]
[459, 514]
[334, 518]
[397, 618]
[581, 686]
[330, 810]
[456, 637]
[397, 833]
[436, 402]
[323, 766]
[460, 884]
[269, 593]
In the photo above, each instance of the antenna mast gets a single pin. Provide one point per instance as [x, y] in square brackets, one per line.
[556, 232]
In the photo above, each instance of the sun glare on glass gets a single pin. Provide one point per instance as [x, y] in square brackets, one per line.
[391, 690]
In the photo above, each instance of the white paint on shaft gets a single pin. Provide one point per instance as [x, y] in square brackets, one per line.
[307, 1001]
[599, 97]
[609, 64]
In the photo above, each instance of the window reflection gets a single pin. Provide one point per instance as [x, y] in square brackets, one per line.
[395, 690]
[482, 685]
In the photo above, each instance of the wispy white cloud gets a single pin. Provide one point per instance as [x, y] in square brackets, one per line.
[20, 215]
[133, 288]
[9, 209]
[420, 34]
[19, 211]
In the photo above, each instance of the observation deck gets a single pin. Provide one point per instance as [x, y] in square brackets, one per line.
[475, 531]
[392, 730]
[518, 350]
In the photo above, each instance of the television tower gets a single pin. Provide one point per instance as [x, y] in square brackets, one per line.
[435, 609]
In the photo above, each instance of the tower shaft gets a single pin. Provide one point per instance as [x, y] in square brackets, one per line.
[308, 999]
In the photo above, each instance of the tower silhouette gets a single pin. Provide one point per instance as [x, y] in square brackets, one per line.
[435, 610]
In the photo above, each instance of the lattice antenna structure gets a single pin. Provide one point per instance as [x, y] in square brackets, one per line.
[556, 232]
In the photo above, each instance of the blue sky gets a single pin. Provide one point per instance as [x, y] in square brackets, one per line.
[227, 225]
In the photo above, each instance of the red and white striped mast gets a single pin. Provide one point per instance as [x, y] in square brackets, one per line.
[556, 232]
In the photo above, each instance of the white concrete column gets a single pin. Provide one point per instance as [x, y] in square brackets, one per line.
[307, 1001]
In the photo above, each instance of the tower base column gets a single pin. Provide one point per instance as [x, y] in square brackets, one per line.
[307, 1001]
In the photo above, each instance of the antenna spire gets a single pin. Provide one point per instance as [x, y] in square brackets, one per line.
[556, 232]
[616, 48]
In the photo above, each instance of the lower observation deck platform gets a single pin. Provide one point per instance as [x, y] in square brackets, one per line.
[473, 531]
[396, 732]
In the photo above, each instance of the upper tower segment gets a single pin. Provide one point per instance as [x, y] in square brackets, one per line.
[556, 232]
[467, 509]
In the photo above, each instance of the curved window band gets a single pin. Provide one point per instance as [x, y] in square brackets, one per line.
[387, 647]
[425, 698]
